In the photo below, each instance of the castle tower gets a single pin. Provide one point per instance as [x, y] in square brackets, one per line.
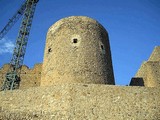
[150, 70]
[77, 51]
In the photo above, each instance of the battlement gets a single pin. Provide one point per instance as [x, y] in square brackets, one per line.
[29, 77]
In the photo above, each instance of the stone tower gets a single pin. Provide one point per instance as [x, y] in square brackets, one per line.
[77, 51]
[150, 70]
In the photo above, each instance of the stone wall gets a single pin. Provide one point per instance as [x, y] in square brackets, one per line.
[155, 56]
[67, 90]
[150, 70]
[29, 77]
[81, 102]
[77, 51]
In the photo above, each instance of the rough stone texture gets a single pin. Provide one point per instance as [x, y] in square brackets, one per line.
[3, 72]
[155, 56]
[29, 77]
[77, 51]
[150, 70]
[81, 102]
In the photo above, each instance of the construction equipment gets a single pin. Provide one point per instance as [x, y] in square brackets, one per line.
[12, 78]
[13, 20]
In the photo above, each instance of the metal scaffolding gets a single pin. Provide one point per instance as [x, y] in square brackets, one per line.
[12, 78]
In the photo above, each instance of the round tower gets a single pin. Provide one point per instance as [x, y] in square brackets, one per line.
[77, 51]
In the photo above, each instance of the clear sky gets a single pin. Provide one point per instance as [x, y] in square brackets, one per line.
[133, 27]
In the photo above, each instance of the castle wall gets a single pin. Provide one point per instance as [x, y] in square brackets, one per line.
[29, 77]
[77, 55]
[81, 102]
[77, 51]
[3, 72]
[155, 56]
[150, 70]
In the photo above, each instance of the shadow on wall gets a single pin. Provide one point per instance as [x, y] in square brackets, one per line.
[137, 81]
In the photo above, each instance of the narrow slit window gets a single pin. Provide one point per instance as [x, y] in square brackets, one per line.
[102, 47]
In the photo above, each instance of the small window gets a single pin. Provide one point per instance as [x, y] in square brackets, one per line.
[102, 47]
[49, 50]
[75, 40]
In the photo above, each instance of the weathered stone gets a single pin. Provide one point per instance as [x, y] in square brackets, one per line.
[73, 59]
[81, 101]
[29, 77]
[150, 70]
[77, 51]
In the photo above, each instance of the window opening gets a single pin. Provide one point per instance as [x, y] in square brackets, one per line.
[75, 40]
[49, 50]
[102, 47]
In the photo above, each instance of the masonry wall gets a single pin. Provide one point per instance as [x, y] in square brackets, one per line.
[155, 56]
[150, 70]
[81, 102]
[29, 77]
[77, 51]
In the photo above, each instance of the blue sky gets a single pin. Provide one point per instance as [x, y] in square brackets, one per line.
[133, 27]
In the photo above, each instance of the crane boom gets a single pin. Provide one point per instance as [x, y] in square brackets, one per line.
[13, 20]
[12, 78]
